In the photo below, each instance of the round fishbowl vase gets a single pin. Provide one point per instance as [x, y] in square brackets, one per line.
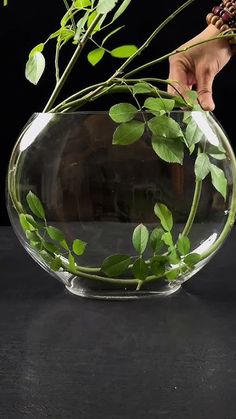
[122, 210]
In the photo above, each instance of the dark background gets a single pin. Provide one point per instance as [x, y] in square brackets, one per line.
[24, 24]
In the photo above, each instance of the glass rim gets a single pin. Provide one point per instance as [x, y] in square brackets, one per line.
[104, 112]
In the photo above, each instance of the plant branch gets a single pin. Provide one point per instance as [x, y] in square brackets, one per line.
[138, 52]
[176, 51]
[71, 63]
[194, 207]
[153, 35]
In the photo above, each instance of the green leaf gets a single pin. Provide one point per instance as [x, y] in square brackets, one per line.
[167, 139]
[158, 104]
[55, 234]
[193, 133]
[202, 166]
[79, 247]
[217, 153]
[32, 222]
[192, 259]
[121, 9]
[35, 244]
[80, 4]
[158, 264]
[173, 257]
[25, 224]
[90, 20]
[35, 67]
[141, 88]
[192, 96]
[111, 33]
[164, 215]
[50, 247]
[105, 6]
[140, 269]
[171, 151]
[115, 265]
[35, 205]
[124, 51]
[183, 245]
[66, 19]
[173, 274]
[179, 101]
[56, 264]
[65, 34]
[123, 112]
[31, 235]
[64, 244]
[38, 48]
[95, 55]
[140, 238]
[80, 27]
[218, 156]
[167, 238]
[219, 180]
[128, 133]
[155, 239]
[46, 256]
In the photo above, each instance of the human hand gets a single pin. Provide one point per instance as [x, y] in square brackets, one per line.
[198, 66]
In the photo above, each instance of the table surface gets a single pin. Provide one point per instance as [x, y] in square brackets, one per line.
[62, 356]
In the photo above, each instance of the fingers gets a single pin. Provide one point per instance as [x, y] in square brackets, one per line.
[205, 79]
[178, 79]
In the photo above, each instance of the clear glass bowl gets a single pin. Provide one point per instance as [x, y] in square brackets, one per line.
[85, 208]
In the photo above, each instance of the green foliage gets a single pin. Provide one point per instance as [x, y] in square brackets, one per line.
[164, 215]
[202, 166]
[35, 205]
[55, 234]
[141, 88]
[167, 139]
[193, 134]
[160, 105]
[167, 238]
[121, 9]
[95, 55]
[124, 51]
[79, 247]
[140, 269]
[128, 133]
[140, 238]
[123, 112]
[25, 224]
[192, 259]
[156, 239]
[115, 265]
[105, 6]
[219, 180]
[173, 274]
[158, 265]
[81, 3]
[183, 245]
[35, 67]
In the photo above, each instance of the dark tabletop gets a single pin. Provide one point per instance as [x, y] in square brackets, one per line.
[62, 356]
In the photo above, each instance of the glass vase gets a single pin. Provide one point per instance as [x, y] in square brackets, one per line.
[121, 218]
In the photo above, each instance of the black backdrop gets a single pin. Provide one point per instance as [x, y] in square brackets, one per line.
[23, 24]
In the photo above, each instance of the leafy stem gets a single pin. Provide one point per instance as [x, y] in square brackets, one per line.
[176, 51]
[71, 63]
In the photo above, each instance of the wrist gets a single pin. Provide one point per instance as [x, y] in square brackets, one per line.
[222, 19]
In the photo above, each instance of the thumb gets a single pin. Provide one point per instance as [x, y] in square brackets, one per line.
[204, 89]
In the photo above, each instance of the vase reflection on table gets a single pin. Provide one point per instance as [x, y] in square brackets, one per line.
[118, 221]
